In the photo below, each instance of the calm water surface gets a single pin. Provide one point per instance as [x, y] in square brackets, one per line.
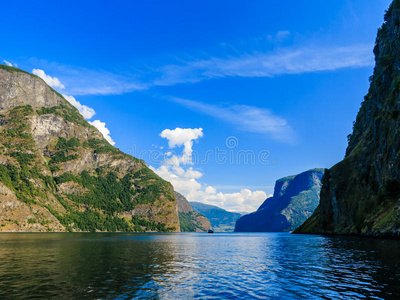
[185, 266]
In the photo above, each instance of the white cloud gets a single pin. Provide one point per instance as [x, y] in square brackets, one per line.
[86, 111]
[245, 200]
[178, 170]
[10, 64]
[269, 64]
[101, 126]
[51, 81]
[7, 63]
[182, 137]
[181, 183]
[247, 118]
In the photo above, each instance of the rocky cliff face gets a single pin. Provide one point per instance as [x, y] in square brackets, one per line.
[190, 220]
[58, 173]
[295, 199]
[360, 195]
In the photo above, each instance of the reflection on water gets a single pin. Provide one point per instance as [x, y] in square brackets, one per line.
[182, 266]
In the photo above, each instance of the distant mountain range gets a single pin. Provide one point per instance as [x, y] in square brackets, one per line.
[295, 199]
[190, 220]
[221, 220]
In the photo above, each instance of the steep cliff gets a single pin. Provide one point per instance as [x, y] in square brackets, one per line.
[58, 173]
[220, 219]
[190, 220]
[295, 199]
[360, 195]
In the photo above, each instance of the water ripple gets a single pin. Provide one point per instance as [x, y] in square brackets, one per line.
[192, 266]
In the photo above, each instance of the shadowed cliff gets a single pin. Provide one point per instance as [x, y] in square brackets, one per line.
[360, 195]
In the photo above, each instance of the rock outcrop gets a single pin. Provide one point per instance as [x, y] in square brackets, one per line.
[190, 220]
[360, 195]
[220, 219]
[58, 173]
[295, 199]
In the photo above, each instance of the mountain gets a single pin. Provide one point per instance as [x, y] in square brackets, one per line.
[190, 220]
[360, 195]
[58, 173]
[295, 199]
[220, 219]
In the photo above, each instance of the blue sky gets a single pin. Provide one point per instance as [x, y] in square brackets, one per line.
[281, 81]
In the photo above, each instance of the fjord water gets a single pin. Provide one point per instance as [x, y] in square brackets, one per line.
[198, 265]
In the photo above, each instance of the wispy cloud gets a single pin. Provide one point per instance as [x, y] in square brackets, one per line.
[268, 64]
[84, 81]
[247, 118]
[89, 82]
[227, 61]
[6, 62]
[280, 36]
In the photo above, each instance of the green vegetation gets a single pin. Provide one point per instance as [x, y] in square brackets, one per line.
[151, 186]
[66, 111]
[19, 132]
[106, 191]
[93, 220]
[101, 146]
[70, 144]
[141, 224]
[54, 168]
[16, 135]
[187, 222]
[19, 181]
[24, 159]
[60, 157]
[12, 69]
[113, 194]
[19, 112]
[48, 110]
